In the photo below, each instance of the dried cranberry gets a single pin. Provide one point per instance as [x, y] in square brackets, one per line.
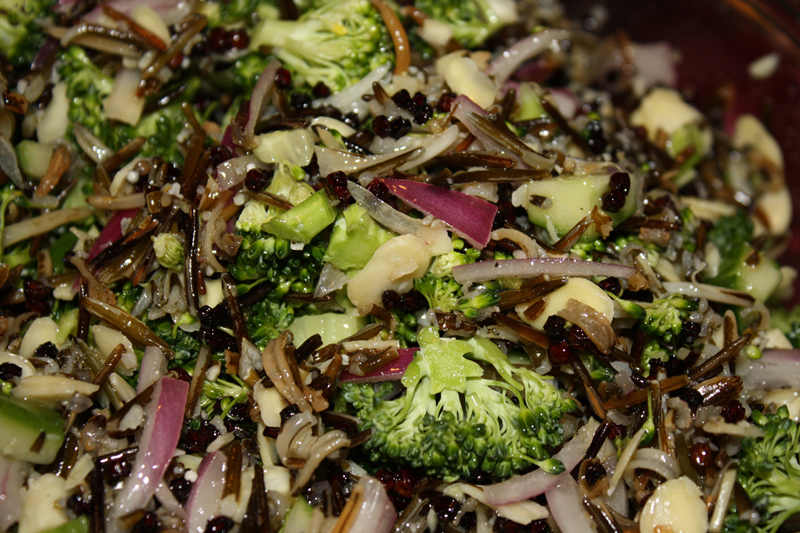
[199, 435]
[352, 120]
[506, 213]
[445, 102]
[594, 137]
[412, 301]
[402, 98]
[555, 328]
[34, 290]
[256, 179]
[147, 524]
[289, 412]
[9, 371]
[392, 300]
[405, 483]
[301, 101]
[615, 431]
[218, 39]
[423, 114]
[418, 101]
[48, 349]
[115, 467]
[620, 181]
[399, 127]
[733, 412]
[691, 396]
[578, 338]
[219, 524]
[181, 488]
[701, 455]
[379, 189]
[217, 339]
[220, 154]
[176, 62]
[386, 478]
[80, 504]
[674, 367]
[337, 184]
[238, 39]
[39, 307]
[446, 508]
[560, 353]
[613, 201]
[594, 473]
[611, 285]
[321, 90]
[283, 78]
[689, 332]
[665, 202]
[381, 126]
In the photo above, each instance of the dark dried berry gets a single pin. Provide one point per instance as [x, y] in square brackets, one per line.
[283, 78]
[423, 114]
[664, 202]
[613, 201]
[147, 524]
[615, 431]
[402, 98]
[9, 371]
[637, 296]
[417, 101]
[595, 471]
[399, 127]
[560, 353]
[256, 179]
[689, 395]
[48, 349]
[445, 102]
[80, 504]
[300, 101]
[198, 436]
[115, 467]
[379, 189]
[321, 90]
[412, 301]
[34, 290]
[238, 39]
[39, 307]
[701, 455]
[391, 300]
[733, 412]
[381, 126]
[386, 478]
[446, 508]
[611, 285]
[176, 62]
[181, 488]
[405, 483]
[674, 367]
[220, 154]
[219, 524]
[217, 40]
[620, 181]
[289, 412]
[578, 338]
[506, 214]
[555, 328]
[337, 185]
[215, 316]
[217, 339]
[689, 332]
[351, 119]
[594, 137]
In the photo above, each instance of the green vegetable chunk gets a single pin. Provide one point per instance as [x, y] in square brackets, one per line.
[303, 222]
[77, 525]
[355, 238]
[29, 431]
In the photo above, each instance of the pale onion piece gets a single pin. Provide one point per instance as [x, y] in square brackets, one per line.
[676, 505]
[724, 498]
[624, 459]
[295, 146]
[435, 33]
[368, 510]
[132, 419]
[270, 404]
[349, 100]
[708, 209]
[566, 505]
[41, 506]
[394, 266]
[55, 120]
[107, 340]
[578, 289]
[123, 104]
[146, 17]
[331, 160]
[153, 367]
[168, 500]
[82, 468]
[764, 67]
[566, 102]
[125, 392]
[777, 208]
[433, 146]
[664, 109]
[709, 292]
[220, 442]
[526, 486]
[41, 331]
[12, 479]
[333, 124]
[523, 512]
[331, 279]
[743, 428]
[25, 365]
[788, 397]
[52, 389]
[655, 460]
[510, 59]
[486, 191]
[31, 227]
[204, 499]
[233, 171]
[279, 479]
[463, 76]
[751, 133]
[213, 295]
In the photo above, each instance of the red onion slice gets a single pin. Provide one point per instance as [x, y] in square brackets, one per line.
[112, 232]
[566, 506]
[390, 372]
[510, 60]
[156, 446]
[530, 268]
[534, 483]
[153, 367]
[12, 478]
[776, 369]
[470, 217]
[204, 500]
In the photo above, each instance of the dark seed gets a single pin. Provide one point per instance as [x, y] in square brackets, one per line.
[733, 412]
[283, 79]
[611, 285]
[9, 371]
[555, 328]
[256, 179]
[320, 90]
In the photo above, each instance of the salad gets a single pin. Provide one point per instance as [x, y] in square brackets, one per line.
[366, 266]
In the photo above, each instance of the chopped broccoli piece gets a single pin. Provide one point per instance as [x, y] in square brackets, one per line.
[336, 42]
[226, 392]
[267, 319]
[665, 318]
[185, 345]
[788, 322]
[21, 37]
[87, 87]
[452, 422]
[303, 222]
[471, 21]
[169, 251]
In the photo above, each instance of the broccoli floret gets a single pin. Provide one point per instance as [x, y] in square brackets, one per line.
[184, 344]
[246, 69]
[665, 318]
[453, 422]
[21, 37]
[471, 21]
[267, 319]
[768, 470]
[169, 250]
[336, 42]
[228, 393]
[586, 250]
[127, 296]
[446, 295]
[652, 350]
[87, 87]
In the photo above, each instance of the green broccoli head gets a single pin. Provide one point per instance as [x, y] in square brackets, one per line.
[446, 295]
[20, 35]
[87, 87]
[665, 318]
[471, 21]
[453, 422]
[267, 319]
[336, 42]
[768, 469]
